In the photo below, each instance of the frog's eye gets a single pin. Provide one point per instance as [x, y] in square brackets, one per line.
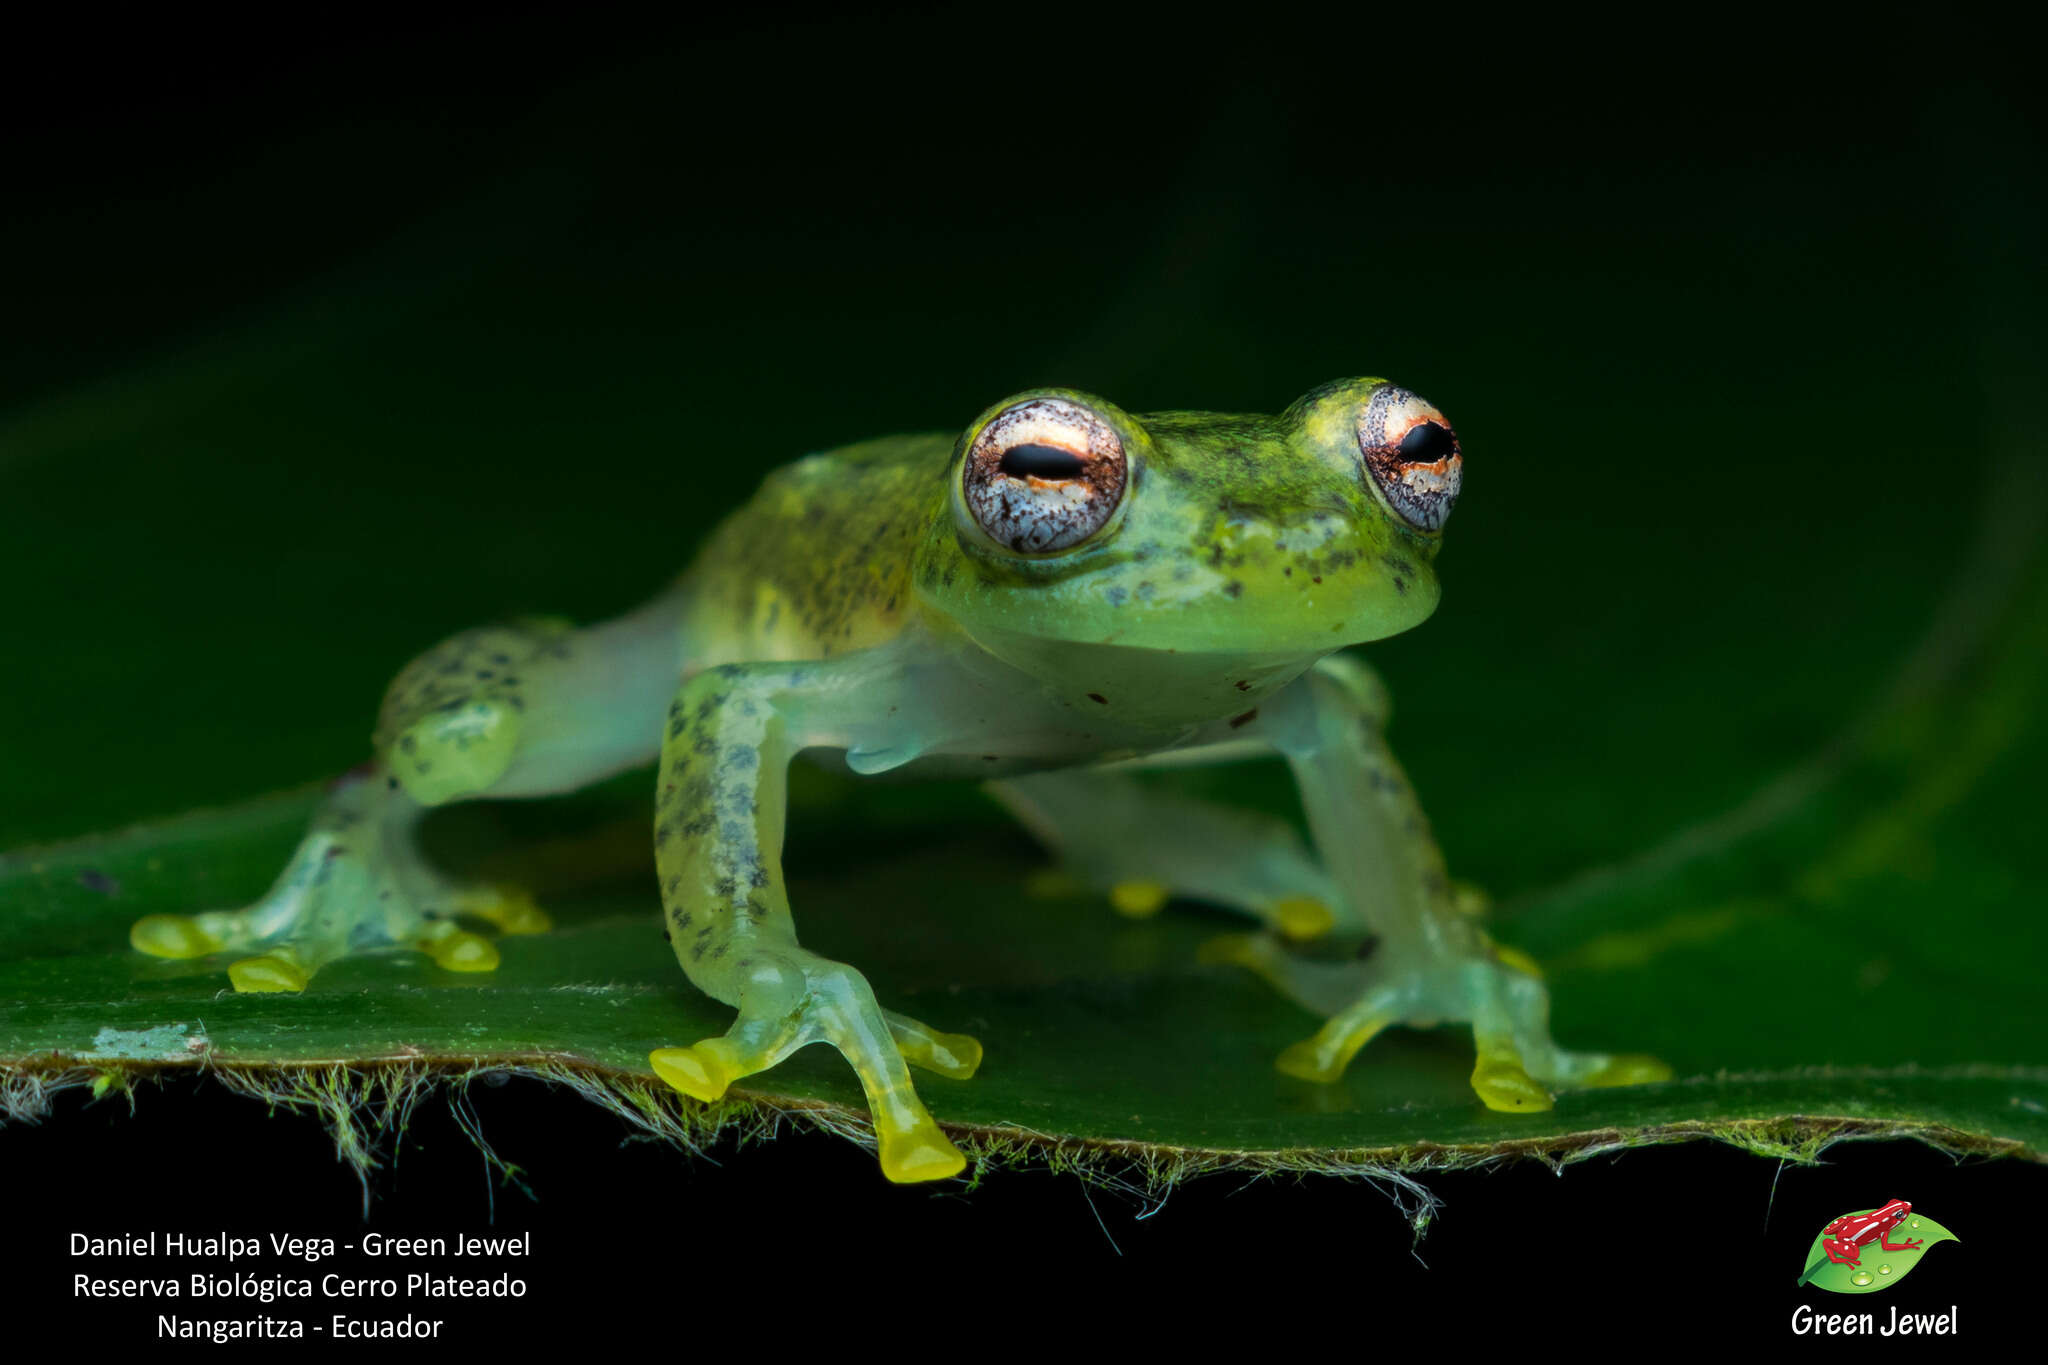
[1044, 475]
[1412, 454]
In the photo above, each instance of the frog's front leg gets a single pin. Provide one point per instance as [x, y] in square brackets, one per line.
[1431, 961]
[718, 849]
[523, 709]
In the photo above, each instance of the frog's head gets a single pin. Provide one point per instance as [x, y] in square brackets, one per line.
[1071, 522]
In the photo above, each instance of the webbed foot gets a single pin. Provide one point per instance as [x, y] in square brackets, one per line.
[354, 885]
[1517, 1068]
[791, 999]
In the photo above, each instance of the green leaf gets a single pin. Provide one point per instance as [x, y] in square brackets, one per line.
[1745, 734]
[1878, 1269]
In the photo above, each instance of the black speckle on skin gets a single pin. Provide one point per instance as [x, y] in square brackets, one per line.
[1243, 686]
[1367, 947]
[1233, 588]
[1117, 595]
[92, 879]
[1099, 698]
[1238, 722]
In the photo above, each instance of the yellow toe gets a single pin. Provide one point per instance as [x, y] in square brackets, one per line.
[1516, 960]
[695, 1071]
[464, 952]
[1502, 1084]
[1633, 1068]
[1324, 1057]
[1305, 1061]
[266, 974]
[511, 909]
[955, 1055]
[1138, 900]
[1301, 917]
[920, 1152]
[174, 936]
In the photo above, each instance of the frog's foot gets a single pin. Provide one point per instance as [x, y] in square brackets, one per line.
[791, 998]
[355, 884]
[1501, 995]
[1142, 847]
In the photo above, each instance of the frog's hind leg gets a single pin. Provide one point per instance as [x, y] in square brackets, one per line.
[355, 883]
[523, 709]
[1501, 994]
[1141, 846]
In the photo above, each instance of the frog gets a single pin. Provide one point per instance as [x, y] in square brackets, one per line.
[1845, 1238]
[1052, 601]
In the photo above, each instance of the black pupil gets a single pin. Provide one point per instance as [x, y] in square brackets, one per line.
[1041, 462]
[1426, 443]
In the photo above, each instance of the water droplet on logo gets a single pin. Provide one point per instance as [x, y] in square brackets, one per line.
[1884, 1270]
[1861, 1277]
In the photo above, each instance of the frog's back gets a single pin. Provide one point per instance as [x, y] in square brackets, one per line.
[818, 561]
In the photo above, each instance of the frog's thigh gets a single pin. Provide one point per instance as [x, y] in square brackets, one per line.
[1141, 845]
[530, 708]
[718, 848]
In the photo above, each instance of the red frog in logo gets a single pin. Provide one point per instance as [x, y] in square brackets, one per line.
[1844, 1238]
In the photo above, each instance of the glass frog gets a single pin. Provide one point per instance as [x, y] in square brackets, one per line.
[1062, 593]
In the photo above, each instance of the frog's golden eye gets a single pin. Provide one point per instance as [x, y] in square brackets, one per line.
[1044, 475]
[1412, 455]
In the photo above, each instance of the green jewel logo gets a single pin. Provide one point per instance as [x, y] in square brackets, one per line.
[1857, 1253]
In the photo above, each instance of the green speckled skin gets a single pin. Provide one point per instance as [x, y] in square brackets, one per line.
[858, 611]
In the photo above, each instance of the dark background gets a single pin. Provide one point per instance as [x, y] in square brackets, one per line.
[804, 230]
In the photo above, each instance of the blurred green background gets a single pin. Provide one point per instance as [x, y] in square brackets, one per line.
[311, 358]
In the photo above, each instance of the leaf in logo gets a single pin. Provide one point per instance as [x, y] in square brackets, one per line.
[1879, 1269]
